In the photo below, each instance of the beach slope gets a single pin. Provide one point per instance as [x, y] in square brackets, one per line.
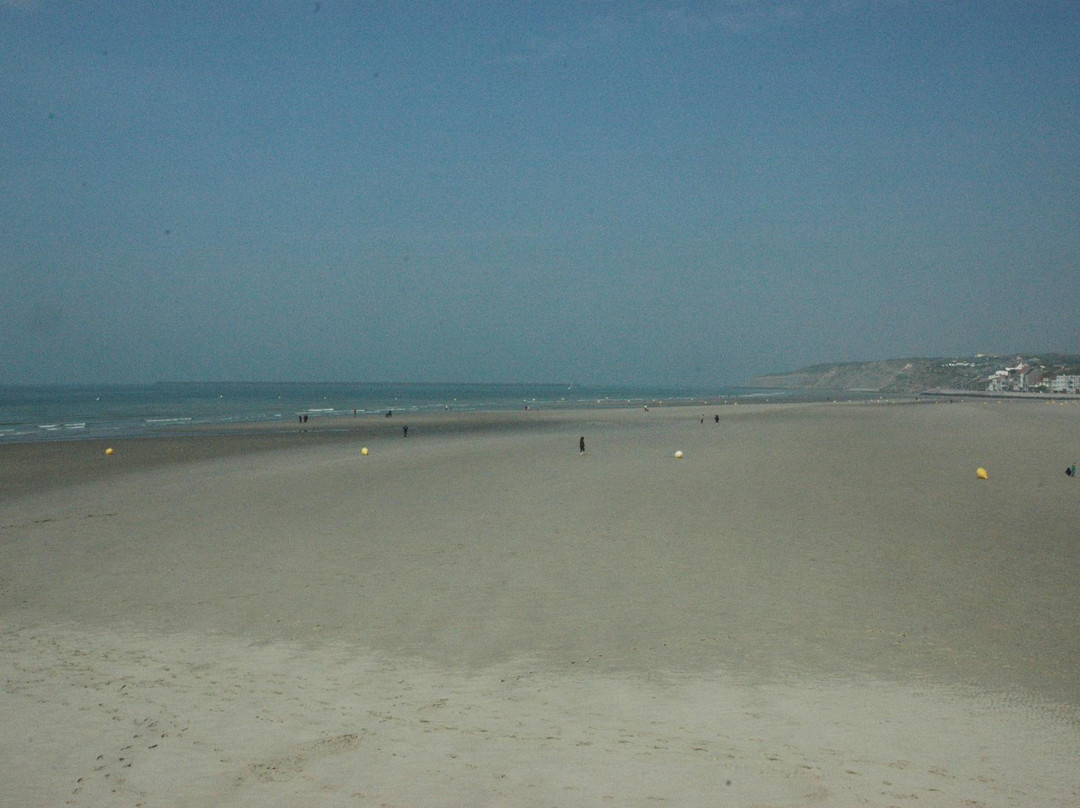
[817, 604]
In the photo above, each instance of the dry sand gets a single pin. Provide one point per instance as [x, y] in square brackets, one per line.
[819, 604]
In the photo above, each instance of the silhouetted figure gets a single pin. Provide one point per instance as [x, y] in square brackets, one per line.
[717, 419]
[405, 431]
[581, 445]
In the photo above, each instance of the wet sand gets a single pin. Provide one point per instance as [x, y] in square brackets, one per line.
[818, 604]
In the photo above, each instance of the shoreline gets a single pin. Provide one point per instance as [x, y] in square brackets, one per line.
[80, 425]
[35, 465]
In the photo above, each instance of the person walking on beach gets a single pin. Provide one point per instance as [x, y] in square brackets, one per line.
[405, 431]
[581, 445]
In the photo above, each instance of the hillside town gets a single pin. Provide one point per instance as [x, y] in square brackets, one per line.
[1032, 377]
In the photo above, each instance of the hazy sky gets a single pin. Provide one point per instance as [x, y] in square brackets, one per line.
[493, 191]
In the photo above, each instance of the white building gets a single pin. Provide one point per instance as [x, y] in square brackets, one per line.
[1065, 384]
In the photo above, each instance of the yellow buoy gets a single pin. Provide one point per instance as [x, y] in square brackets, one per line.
[981, 474]
[109, 451]
[364, 451]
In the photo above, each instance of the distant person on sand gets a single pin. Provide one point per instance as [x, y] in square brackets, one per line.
[581, 445]
[717, 419]
[405, 431]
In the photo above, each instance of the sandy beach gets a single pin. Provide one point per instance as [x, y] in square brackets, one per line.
[819, 604]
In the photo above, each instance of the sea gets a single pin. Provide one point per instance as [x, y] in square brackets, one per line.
[45, 413]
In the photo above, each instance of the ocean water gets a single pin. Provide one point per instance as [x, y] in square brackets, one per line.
[35, 413]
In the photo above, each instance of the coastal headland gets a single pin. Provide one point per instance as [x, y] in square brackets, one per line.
[819, 603]
[1052, 374]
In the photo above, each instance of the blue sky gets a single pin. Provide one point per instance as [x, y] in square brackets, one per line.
[600, 192]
